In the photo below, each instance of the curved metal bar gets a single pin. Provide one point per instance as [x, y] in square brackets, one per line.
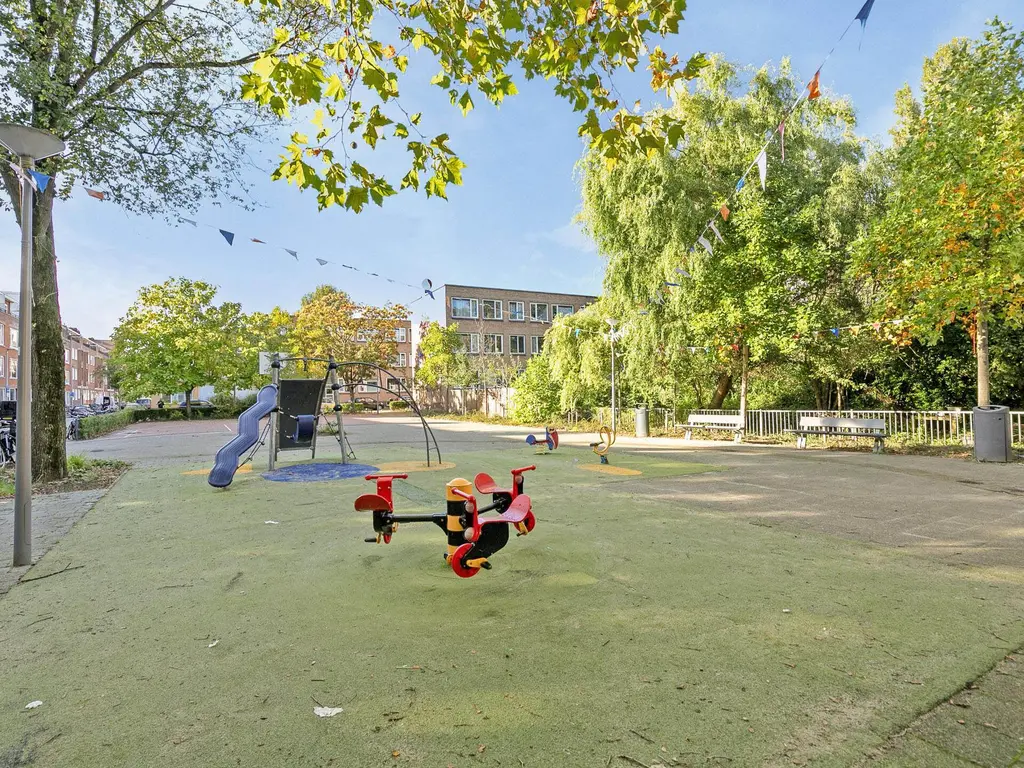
[405, 394]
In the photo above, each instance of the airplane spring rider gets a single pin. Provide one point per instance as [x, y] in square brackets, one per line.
[550, 441]
[472, 539]
[602, 446]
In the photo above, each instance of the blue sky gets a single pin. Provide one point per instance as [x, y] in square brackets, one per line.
[511, 224]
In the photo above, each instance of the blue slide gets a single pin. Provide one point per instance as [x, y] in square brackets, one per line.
[226, 463]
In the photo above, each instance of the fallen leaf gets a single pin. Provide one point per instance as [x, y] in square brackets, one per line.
[33, 704]
[327, 711]
[481, 748]
[960, 721]
[988, 725]
[395, 753]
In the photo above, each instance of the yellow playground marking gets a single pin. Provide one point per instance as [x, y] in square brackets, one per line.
[246, 468]
[610, 469]
[414, 466]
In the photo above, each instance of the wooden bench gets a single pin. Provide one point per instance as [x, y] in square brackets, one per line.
[830, 426]
[732, 424]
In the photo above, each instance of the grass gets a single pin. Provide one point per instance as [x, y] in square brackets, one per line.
[83, 475]
[199, 634]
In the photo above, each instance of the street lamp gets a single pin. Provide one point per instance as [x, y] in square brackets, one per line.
[613, 336]
[29, 144]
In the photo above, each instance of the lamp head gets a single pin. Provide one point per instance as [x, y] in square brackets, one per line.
[24, 140]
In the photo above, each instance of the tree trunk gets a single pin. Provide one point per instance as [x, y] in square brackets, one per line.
[188, 402]
[721, 390]
[981, 341]
[744, 377]
[49, 458]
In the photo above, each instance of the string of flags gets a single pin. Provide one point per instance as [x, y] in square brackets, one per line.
[811, 91]
[38, 181]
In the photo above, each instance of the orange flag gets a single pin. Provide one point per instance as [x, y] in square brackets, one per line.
[725, 212]
[813, 87]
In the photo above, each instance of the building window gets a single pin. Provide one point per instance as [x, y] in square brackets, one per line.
[539, 313]
[92, 360]
[74, 374]
[492, 309]
[465, 309]
[14, 367]
[393, 384]
[400, 360]
[14, 338]
[536, 344]
[3, 361]
[67, 355]
[493, 343]
[516, 311]
[399, 334]
[560, 310]
[470, 343]
[361, 336]
[517, 345]
[3, 338]
[74, 353]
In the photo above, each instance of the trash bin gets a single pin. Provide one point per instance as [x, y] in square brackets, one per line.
[992, 440]
[641, 421]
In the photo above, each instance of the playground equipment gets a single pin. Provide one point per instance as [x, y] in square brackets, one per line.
[295, 409]
[602, 446]
[472, 539]
[550, 441]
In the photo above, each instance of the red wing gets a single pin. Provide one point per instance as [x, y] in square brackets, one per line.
[516, 512]
[371, 502]
[485, 484]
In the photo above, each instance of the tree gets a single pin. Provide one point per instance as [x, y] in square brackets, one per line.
[445, 363]
[579, 355]
[354, 81]
[777, 275]
[537, 395]
[330, 324]
[252, 334]
[950, 246]
[173, 339]
[144, 94]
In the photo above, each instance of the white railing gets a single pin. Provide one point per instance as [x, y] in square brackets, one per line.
[926, 427]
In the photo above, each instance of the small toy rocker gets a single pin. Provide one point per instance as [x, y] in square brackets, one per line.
[472, 539]
[548, 444]
[602, 446]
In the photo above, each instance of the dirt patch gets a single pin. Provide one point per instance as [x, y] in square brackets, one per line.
[87, 475]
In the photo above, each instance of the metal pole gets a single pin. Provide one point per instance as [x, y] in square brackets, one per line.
[612, 337]
[337, 410]
[275, 378]
[23, 423]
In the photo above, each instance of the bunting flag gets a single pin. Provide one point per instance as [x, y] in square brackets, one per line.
[96, 193]
[295, 254]
[322, 262]
[682, 272]
[724, 210]
[718, 235]
[814, 87]
[740, 184]
[706, 245]
[229, 236]
[257, 240]
[762, 167]
[191, 221]
[862, 17]
[41, 180]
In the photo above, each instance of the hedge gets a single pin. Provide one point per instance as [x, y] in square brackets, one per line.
[94, 426]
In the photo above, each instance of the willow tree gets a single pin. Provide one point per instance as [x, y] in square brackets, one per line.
[144, 94]
[950, 248]
[778, 272]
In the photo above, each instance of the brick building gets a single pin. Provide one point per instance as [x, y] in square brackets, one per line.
[399, 371]
[85, 359]
[509, 324]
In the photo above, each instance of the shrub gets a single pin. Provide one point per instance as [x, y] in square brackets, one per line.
[536, 399]
[398, 405]
[173, 414]
[227, 406]
[94, 426]
[76, 464]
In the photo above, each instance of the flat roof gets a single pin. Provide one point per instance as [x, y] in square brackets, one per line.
[518, 290]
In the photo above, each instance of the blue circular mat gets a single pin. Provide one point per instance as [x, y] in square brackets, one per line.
[316, 473]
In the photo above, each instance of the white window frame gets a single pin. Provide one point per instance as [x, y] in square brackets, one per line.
[512, 312]
[12, 368]
[558, 310]
[474, 309]
[3, 366]
[533, 313]
[498, 347]
[92, 359]
[67, 355]
[15, 341]
[474, 343]
[400, 360]
[74, 353]
[361, 336]
[74, 374]
[536, 345]
[495, 305]
[400, 335]
[3, 335]
[521, 345]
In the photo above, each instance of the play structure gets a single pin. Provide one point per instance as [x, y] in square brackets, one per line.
[548, 444]
[295, 408]
[472, 539]
[602, 446]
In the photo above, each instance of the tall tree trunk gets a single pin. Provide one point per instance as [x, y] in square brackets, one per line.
[744, 379]
[188, 402]
[721, 390]
[49, 458]
[981, 341]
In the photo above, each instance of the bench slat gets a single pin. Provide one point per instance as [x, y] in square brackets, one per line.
[697, 419]
[844, 423]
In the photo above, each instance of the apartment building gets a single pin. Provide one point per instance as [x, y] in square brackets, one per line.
[399, 371]
[85, 359]
[506, 323]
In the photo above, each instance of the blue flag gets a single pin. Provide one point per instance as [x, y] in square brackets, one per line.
[41, 180]
[864, 12]
[229, 236]
[295, 254]
[740, 183]
[321, 262]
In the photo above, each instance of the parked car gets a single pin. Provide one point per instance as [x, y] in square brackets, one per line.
[197, 404]
[145, 402]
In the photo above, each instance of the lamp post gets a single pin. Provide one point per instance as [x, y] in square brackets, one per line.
[613, 336]
[29, 144]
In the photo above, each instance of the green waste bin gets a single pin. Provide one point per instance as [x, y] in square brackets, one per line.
[641, 422]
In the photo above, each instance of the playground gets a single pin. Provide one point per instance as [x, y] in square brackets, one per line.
[728, 605]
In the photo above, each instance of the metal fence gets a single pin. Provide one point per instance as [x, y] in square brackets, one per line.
[925, 427]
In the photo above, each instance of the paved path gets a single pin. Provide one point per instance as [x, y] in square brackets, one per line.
[52, 517]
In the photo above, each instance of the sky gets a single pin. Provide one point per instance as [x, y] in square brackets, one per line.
[511, 224]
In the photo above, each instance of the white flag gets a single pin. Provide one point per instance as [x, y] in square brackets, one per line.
[707, 245]
[762, 167]
[715, 230]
